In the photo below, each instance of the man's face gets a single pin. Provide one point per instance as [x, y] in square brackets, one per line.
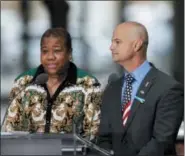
[122, 46]
[53, 55]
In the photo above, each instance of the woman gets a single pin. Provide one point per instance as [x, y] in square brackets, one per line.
[69, 94]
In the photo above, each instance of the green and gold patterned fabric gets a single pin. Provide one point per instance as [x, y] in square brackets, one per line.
[78, 100]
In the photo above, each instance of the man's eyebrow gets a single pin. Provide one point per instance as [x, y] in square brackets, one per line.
[43, 46]
[116, 39]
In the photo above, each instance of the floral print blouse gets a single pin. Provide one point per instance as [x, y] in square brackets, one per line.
[77, 100]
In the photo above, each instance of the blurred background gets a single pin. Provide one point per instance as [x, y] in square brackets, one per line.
[90, 24]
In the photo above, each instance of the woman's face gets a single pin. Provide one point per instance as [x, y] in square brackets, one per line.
[53, 55]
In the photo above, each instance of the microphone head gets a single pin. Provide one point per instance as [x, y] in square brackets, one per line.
[41, 79]
[113, 77]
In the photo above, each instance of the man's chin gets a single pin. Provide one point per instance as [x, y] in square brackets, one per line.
[116, 60]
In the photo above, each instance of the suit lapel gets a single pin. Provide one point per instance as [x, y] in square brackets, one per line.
[140, 96]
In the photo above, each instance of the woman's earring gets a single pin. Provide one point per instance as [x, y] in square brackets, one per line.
[70, 58]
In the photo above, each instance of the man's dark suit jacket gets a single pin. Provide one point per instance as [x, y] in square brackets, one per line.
[152, 127]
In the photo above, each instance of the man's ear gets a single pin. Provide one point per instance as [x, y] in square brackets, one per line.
[138, 45]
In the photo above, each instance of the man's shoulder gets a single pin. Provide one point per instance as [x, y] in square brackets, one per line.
[165, 82]
[166, 79]
[29, 72]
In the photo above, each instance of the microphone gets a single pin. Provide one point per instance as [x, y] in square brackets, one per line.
[112, 77]
[40, 79]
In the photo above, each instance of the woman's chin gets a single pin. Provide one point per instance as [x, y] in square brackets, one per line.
[52, 73]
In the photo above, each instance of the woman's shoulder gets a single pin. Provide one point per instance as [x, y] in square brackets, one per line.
[30, 72]
[83, 75]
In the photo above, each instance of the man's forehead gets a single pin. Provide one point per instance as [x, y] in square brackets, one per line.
[123, 34]
[117, 35]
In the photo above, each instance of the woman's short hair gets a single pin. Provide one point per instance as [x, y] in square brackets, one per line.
[60, 33]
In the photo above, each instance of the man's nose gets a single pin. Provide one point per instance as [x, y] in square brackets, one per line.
[111, 47]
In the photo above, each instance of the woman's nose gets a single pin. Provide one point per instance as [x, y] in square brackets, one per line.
[51, 55]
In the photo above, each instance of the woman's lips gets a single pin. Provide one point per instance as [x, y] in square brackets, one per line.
[51, 66]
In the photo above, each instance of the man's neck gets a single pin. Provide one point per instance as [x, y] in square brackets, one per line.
[132, 65]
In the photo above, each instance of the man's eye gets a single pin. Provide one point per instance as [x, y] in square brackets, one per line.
[117, 42]
[44, 51]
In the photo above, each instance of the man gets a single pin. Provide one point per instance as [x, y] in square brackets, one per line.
[142, 111]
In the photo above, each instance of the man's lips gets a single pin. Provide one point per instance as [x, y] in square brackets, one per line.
[114, 53]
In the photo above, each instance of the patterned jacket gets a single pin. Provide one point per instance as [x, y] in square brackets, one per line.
[77, 100]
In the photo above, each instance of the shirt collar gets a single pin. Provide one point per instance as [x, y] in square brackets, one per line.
[140, 72]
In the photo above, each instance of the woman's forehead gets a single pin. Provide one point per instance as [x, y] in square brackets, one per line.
[53, 39]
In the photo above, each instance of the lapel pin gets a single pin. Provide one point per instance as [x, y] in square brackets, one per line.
[147, 83]
[141, 100]
[142, 92]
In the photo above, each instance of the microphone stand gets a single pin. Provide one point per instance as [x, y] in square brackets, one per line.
[74, 138]
[87, 144]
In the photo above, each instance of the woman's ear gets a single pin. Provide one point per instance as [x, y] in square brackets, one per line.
[70, 57]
